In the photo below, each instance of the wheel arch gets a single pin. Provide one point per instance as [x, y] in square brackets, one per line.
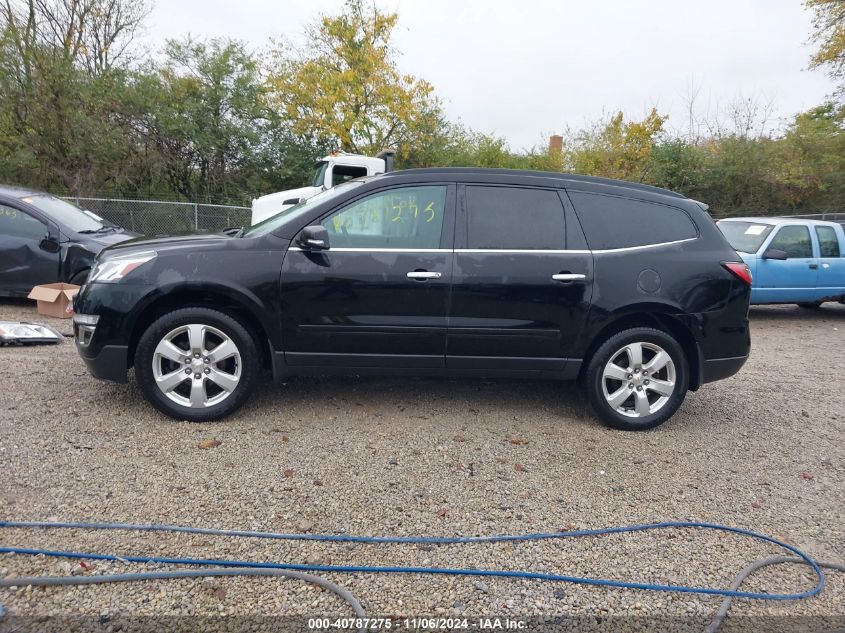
[658, 316]
[214, 298]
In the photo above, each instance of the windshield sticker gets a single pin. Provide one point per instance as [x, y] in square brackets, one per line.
[91, 214]
[755, 229]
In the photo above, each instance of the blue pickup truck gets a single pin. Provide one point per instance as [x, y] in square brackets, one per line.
[791, 260]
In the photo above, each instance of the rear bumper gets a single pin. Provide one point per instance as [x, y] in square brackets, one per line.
[719, 368]
[109, 363]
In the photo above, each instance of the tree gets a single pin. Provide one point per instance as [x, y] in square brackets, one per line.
[97, 34]
[205, 116]
[616, 149]
[345, 86]
[829, 33]
[61, 119]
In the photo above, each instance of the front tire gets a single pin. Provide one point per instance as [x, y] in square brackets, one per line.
[196, 364]
[637, 379]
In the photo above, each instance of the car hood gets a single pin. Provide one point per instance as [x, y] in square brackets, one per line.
[168, 242]
[109, 239]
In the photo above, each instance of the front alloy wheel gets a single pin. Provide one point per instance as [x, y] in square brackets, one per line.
[196, 364]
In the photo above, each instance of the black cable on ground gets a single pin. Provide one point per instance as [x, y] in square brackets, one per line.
[719, 618]
[51, 581]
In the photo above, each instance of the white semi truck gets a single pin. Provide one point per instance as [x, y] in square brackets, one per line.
[329, 171]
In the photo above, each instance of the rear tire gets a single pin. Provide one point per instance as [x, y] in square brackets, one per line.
[637, 379]
[196, 364]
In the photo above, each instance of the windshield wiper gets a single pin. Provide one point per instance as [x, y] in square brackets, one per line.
[234, 231]
[103, 229]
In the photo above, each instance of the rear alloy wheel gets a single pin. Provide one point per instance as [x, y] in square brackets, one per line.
[637, 379]
[196, 364]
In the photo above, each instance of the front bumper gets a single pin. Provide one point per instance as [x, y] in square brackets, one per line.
[108, 363]
[102, 320]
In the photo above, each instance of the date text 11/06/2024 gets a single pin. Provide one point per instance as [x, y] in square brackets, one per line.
[418, 623]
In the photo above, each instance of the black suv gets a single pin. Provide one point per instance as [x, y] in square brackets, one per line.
[45, 239]
[471, 272]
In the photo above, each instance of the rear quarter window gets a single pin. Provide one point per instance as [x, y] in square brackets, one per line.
[612, 222]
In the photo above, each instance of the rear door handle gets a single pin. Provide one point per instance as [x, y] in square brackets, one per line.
[423, 274]
[569, 277]
[813, 266]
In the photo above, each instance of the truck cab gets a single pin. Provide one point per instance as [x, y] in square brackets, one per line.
[791, 260]
[329, 171]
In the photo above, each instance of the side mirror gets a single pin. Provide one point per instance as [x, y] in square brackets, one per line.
[49, 244]
[293, 201]
[775, 253]
[314, 238]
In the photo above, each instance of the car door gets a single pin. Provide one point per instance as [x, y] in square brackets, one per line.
[519, 297]
[27, 258]
[793, 279]
[379, 295]
[831, 271]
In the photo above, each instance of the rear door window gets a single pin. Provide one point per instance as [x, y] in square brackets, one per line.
[795, 240]
[514, 218]
[828, 242]
[612, 222]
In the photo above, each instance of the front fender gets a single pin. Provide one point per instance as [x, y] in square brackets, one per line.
[75, 258]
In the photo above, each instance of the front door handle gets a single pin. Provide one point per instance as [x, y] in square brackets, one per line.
[423, 274]
[569, 277]
[813, 266]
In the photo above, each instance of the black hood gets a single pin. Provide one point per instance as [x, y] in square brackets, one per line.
[165, 242]
[109, 239]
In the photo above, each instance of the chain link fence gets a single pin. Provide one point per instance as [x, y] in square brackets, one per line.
[156, 217]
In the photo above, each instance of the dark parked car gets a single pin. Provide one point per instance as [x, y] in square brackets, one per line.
[44, 239]
[467, 272]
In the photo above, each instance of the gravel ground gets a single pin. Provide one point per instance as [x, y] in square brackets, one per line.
[762, 450]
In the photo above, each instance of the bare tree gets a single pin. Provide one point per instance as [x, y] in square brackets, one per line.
[743, 117]
[97, 34]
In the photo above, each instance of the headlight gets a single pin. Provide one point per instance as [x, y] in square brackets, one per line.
[116, 268]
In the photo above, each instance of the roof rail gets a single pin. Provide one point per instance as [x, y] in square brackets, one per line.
[547, 174]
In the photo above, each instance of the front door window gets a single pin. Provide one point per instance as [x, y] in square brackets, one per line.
[406, 217]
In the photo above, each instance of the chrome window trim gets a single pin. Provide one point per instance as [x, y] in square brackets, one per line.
[375, 250]
[638, 248]
[516, 251]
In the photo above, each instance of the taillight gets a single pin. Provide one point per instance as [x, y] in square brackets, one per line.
[739, 270]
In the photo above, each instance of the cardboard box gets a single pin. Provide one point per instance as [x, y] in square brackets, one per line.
[53, 299]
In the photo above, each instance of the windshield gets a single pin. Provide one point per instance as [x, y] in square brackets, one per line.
[320, 174]
[272, 223]
[65, 213]
[746, 237]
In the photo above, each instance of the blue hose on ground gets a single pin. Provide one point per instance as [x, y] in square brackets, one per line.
[447, 540]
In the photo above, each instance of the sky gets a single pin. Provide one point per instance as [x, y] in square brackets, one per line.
[526, 69]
